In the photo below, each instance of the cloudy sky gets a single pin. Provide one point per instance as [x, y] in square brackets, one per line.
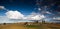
[14, 10]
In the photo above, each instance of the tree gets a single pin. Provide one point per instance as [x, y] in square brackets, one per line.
[25, 23]
[4, 23]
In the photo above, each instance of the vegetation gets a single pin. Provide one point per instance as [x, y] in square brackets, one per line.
[33, 26]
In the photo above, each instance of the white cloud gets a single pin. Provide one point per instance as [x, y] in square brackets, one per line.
[53, 18]
[35, 16]
[56, 18]
[2, 7]
[39, 9]
[3, 19]
[19, 15]
[14, 15]
[48, 12]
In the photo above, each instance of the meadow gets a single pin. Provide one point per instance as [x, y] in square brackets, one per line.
[30, 26]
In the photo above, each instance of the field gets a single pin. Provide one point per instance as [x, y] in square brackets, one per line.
[31, 26]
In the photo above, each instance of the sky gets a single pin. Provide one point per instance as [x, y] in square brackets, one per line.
[25, 10]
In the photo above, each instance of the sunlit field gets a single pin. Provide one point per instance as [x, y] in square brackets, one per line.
[30, 26]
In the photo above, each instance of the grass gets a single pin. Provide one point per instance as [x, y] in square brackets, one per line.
[32, 26]
[20, 26]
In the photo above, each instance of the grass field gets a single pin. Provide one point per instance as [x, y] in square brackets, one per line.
[38, 26]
